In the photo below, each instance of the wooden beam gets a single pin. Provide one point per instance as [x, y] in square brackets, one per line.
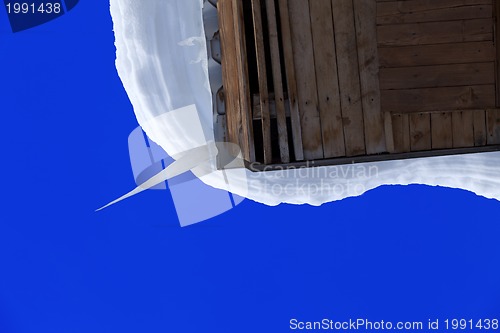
[497, 44]
[397, 12]
[437, 76]
[480, 133]
[463, 129]
[348, 69]
[444, 98]
[493, 126]
[229, 65]
[325, 59]
[366, 37]
[423, 55]
[420, 132]
[303, 56]
[389, 132]
[277, 81]
[243, 82]
[291, 79]
[262, 78]
[441, 128]
[401, 130]
[436, 32]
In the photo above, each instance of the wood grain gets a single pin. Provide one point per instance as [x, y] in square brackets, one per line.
[457, 53]
[348, 70]
[291, 79]
[447, 98]
[277, 81]
[480, 133]
[246, 125]
[229, 67]
[437, 76]
[463, 129]
[442, 134]
[420, 131]
[401, 132]
[493, 126]
[389, 132]
[327, 78]
[365, 16]
[303, 56]
[497, 44]
[397, 12]
[262, 78]
[436, 32]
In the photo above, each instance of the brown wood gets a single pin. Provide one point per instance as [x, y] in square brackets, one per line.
[430, 99]
[463, 129]
[391, 7]
[389, 133]
[442, 135]
[436, 32]
[303, 56]
[480, 133]
[497, 43]
[418, 81]
[277, 81]
[366, 37]
[457, 53]
[401, 130]
[493, 126]
[229, 67]
[348, 71]
[243, 83]
[291, 79]
[327, 78]
[262, 74]
[396, 12]
[420, 132]
[437, 76]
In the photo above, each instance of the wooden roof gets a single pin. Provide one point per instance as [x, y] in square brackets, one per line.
[342, 81]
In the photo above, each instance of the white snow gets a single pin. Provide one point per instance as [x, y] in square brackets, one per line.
[162, 61]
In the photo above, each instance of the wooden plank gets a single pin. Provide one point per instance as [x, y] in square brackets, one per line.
[277, 80]
[437, 76]
[397, 12]
[420, 131]
[447, 98]
[389, 132]
[493, 125]
[262, 78]
[497, 43]
[435, 32]
[243, 83]
[366, 37]
[401, 131]
[392, 7]
[441, 54]
[463, 129]
[229, 65]
[303, 56]
[327, 78]
[441, 127]
[480, 133]
[347, 64]
[291, 79]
